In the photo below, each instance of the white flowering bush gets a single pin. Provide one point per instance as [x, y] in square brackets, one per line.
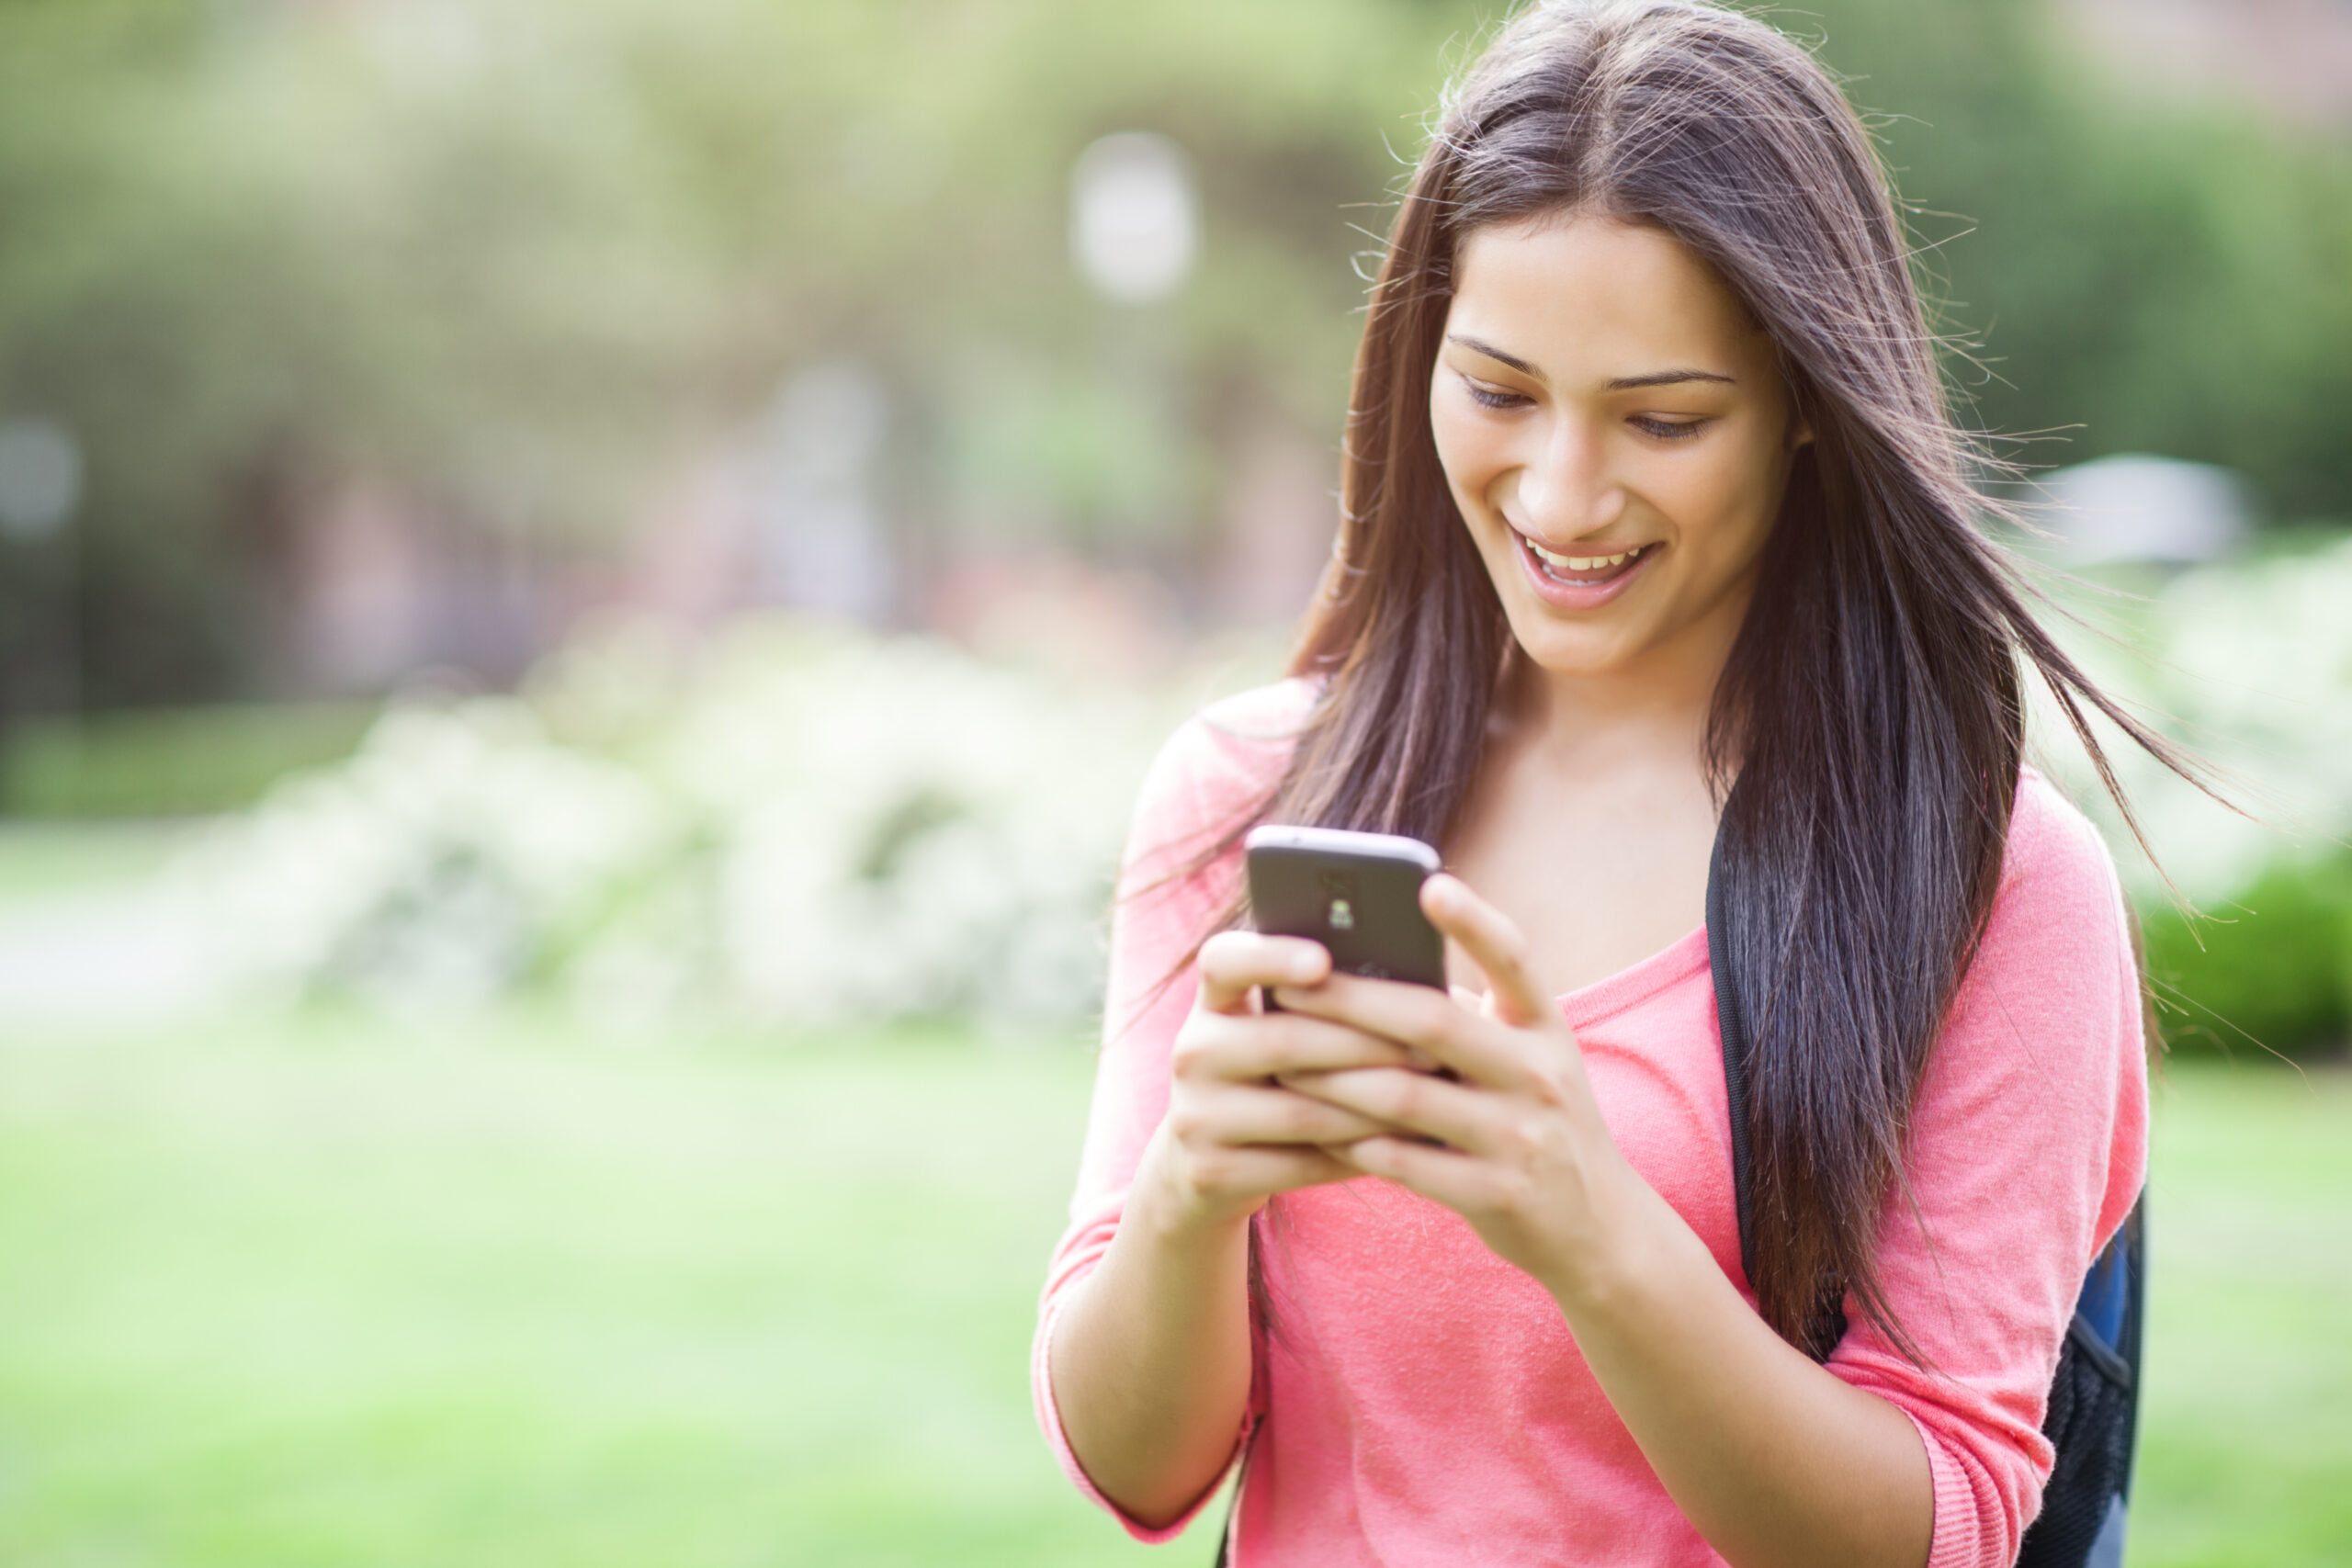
[2249, 663]
[815, 825]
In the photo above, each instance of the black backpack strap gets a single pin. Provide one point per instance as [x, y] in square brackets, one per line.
[2135, 1323]
[1233, 1504]
[1732, 1022]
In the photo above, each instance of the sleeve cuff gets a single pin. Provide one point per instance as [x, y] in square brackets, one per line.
[1050, 1419]
[1963, 1503]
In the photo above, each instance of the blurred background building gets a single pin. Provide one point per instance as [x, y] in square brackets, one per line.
[2293, 58]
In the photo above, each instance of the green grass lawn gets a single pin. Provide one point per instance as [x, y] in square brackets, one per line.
[339, 1294]
[326, 1292]
[2245, 1450]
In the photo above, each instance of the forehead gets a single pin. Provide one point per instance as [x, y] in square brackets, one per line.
[1591, 296]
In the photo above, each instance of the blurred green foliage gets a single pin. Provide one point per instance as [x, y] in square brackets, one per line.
[2270, 971]
[169, 762]
[2144, 275]
[41, 859]
[520, 258]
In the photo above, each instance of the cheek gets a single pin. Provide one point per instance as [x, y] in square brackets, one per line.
[1726, 501]
[1466, 449]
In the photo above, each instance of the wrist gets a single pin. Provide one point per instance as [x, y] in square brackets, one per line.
[1631, 1247]
[1174, 1215]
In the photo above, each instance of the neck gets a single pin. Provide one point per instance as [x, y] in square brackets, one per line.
[1664, 696]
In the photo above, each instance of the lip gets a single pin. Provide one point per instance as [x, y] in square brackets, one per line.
[1574, 596]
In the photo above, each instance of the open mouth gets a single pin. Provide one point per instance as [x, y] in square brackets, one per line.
[1584, 572]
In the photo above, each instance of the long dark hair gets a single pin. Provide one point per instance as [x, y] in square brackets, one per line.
[1867, 731]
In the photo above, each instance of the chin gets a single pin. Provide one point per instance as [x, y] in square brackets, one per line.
[1571, 651]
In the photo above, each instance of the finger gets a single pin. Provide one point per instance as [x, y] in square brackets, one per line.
[1467, 1000]
[1475, 1048]
[1234, 963]
[1392, 1098]
[1250, 1047]
[1250, 1113]
[1260, 1169]
[1494, 944]
[1459, 1181]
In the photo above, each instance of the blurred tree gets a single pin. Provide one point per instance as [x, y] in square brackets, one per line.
[2268, 972]
[520, 258]
[521, 261]
[2141, 274]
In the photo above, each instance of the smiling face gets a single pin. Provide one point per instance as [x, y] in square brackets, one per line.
[1616, 435]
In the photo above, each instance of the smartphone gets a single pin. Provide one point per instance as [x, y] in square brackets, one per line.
[1358, 894]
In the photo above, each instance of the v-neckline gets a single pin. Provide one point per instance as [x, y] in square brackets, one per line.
[1637, 982]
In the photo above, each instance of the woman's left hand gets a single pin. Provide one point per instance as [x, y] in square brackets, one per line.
[1520, 1148]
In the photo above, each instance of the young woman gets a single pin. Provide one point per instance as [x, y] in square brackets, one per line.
[1656, 530]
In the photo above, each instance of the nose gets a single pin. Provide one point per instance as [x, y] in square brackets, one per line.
[1565, 489]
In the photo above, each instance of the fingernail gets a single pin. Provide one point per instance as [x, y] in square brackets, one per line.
[1303, 966]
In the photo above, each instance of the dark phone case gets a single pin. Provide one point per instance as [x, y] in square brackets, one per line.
[1358, 894]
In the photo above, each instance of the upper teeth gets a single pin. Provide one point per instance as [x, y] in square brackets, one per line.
[1583, 563]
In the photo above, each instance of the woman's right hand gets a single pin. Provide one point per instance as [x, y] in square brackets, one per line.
[1233, 1137]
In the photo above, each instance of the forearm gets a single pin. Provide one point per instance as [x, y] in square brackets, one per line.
[1151, 1358]
[1774, 1459]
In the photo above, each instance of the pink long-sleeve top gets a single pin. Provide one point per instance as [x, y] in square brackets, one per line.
[1423, 1401]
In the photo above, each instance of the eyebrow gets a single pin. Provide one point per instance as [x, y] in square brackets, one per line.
[1666, 378]
[1622, 384]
